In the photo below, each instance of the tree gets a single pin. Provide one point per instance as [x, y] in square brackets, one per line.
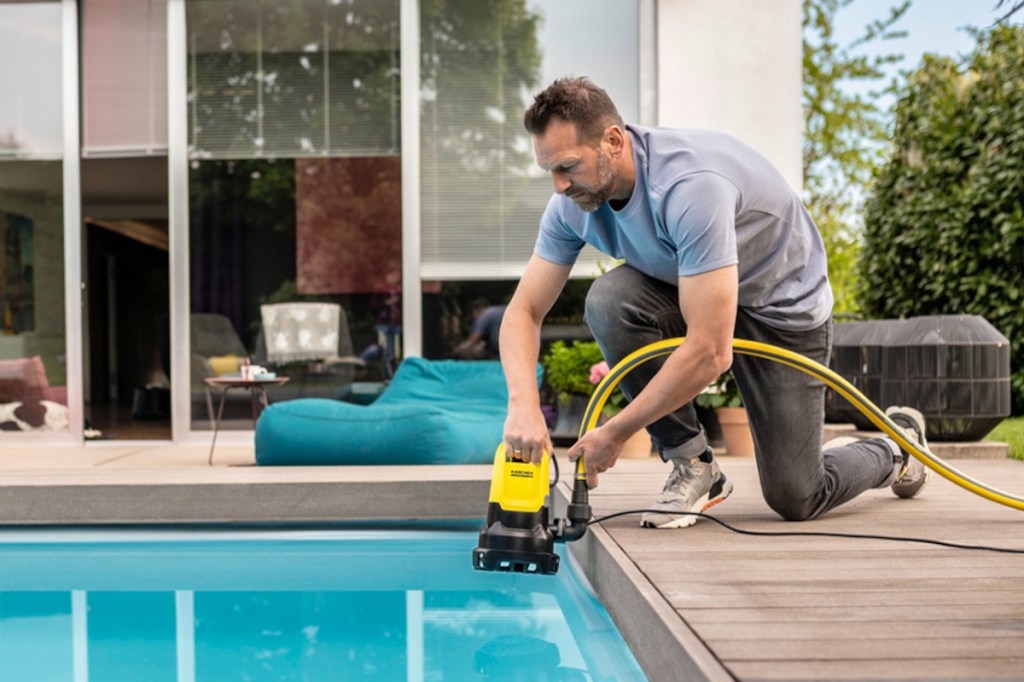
[1014, 7]
[480, 59]
[944, 227]
[845, 133]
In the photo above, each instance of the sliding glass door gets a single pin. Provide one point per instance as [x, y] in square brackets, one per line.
[33, 357]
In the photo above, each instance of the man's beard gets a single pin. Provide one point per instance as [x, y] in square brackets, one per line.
[590, 200]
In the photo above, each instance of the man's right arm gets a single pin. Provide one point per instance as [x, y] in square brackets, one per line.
[525, 428]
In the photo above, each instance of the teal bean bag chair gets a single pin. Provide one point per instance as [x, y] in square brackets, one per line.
[432, 412]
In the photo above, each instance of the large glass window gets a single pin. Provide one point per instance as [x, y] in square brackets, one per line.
[482, 191]
[288, 78]
[295, 196]
[33, 393]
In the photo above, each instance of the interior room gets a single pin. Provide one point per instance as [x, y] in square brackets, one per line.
[126, 298]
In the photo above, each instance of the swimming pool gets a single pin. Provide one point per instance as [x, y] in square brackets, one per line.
[187, 605]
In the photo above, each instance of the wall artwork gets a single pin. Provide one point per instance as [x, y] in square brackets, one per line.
[348, 225]
[17, 290]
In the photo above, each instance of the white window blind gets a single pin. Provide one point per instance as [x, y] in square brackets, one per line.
[293, 78]
[30, 81]
[482, 192]
[124, 77]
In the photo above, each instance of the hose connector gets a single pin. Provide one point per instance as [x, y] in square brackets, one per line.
[577, 514]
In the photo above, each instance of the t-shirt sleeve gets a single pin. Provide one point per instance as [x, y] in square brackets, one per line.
[700, 216]
[489, 322]
[557, 242]
[481, 323]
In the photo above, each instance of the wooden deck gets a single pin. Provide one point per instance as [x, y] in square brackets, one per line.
[821, 608]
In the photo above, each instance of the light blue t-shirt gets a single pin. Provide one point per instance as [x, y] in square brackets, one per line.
[704, 200]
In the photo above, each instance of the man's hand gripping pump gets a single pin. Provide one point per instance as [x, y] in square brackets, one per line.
[517, 536]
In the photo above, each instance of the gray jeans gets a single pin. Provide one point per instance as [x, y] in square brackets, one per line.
[786, 407]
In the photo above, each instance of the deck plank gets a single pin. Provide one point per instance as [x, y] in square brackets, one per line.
[859, 649]
[845, 669]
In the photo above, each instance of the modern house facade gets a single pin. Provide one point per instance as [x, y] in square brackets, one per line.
[170, 170]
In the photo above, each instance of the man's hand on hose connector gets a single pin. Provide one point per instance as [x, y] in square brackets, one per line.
[600, 449]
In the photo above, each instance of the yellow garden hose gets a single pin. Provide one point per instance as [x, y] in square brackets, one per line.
[815, 369]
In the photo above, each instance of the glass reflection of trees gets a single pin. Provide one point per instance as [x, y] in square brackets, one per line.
[272, 81]
[293, 78]
[480, 61]
[316, 77]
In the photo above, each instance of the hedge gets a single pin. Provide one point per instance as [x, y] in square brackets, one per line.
[944, 225]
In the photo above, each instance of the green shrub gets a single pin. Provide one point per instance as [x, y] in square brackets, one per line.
[567, 368]
[944, 226]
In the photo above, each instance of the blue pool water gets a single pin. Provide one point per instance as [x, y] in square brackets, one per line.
[271, 606]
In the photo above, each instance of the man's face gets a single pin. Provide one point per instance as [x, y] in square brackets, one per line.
[581, 172]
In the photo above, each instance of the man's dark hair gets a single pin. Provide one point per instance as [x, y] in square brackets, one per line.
[574, 100]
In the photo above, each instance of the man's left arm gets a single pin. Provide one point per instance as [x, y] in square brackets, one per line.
[708, 303]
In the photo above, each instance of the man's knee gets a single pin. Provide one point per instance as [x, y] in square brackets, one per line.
[791, 507]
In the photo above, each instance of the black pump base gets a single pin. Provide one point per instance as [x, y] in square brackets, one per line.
[516, 542]
[510, 561]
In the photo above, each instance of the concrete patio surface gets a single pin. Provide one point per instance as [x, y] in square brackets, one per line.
[145, 484]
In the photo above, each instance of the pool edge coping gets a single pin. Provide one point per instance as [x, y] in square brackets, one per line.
[647, 622]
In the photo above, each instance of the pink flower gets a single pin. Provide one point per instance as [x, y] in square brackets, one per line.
[598, 372]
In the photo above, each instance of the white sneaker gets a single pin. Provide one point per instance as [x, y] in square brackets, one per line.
[913, 474]
[692, 487]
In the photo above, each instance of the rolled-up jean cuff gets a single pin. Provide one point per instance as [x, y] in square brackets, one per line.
[897, 462]
[684, 452]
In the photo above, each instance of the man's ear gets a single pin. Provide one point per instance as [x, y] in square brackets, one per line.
[614, 139]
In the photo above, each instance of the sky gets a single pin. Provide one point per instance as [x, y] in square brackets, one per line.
[934, 26]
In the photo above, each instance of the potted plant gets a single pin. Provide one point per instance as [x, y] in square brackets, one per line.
[573, 372]
[567, 372]
[723, 396]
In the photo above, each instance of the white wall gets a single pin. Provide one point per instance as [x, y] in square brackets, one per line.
[735, 66]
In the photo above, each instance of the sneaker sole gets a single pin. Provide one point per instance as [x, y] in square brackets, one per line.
[909, 489]
[703, 504]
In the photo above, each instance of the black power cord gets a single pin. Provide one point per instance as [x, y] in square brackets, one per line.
[812, 534]
[799, 533]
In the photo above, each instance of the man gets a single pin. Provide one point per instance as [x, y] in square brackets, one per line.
[482, 341]
[715, 245]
